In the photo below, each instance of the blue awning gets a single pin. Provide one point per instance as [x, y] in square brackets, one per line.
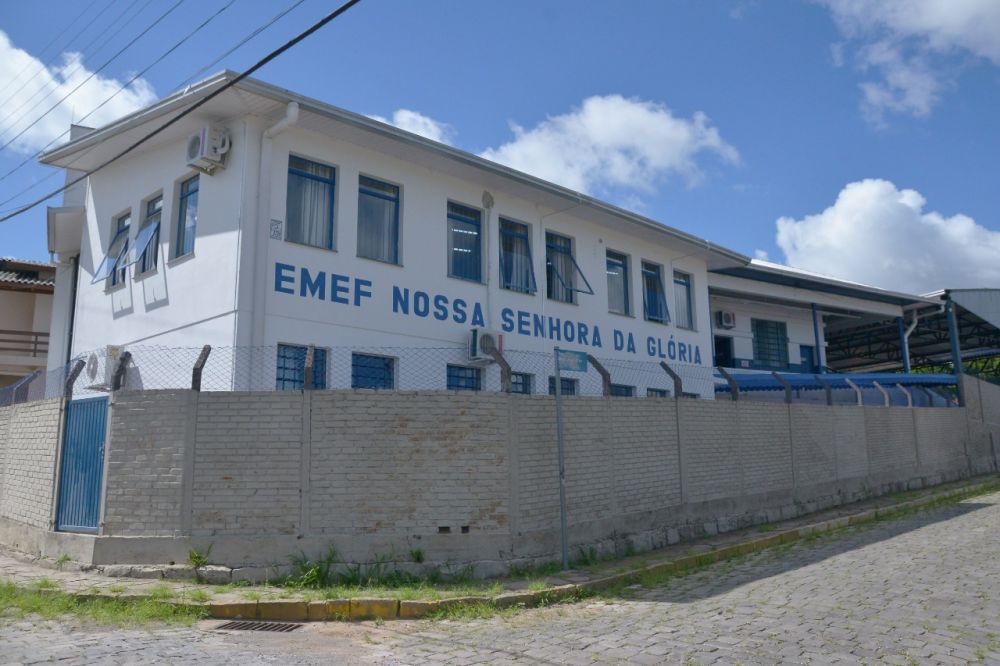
[761, 381]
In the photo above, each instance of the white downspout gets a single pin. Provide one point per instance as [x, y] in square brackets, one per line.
[290, 118]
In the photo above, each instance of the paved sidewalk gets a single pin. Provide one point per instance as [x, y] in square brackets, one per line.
[923, 588]
[17, 569]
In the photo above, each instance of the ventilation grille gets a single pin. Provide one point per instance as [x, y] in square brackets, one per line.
[253, 625]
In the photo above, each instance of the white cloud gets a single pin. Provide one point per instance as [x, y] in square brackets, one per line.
[878, 234]
[16, 66]
[906, 42]
[614, 142]
[418, 123]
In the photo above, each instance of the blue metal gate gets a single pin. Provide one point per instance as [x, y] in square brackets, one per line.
[82, 466]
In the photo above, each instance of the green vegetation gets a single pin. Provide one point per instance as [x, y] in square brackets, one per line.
[20, 602]
[198, 558]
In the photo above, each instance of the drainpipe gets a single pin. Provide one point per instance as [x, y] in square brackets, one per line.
[820, 351]
[486, 235]
[956, 349]
[264, 216]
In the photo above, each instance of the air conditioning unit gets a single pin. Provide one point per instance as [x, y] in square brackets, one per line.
[101, 367]
[725, 319]
[482, 342]
[207, 149]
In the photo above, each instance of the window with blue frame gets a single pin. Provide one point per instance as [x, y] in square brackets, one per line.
[517, 271]
[563, 276]
[291, 368]
[683, 306]
[378, 220]
[119, 249]
[622, 391]
[567, 386]
[309, 210]
[150, 232]
[657, 393]
[520, 382]
[618, 288]
[187, 217]
[770, 344]
[464, 378]
[654, 302]
[372, 372]
[465, 242]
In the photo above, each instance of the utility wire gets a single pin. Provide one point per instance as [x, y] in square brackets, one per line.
[51, 60]
[65, 75]
[39, 182]
[120, 89]
[229, 84]
[94, 73]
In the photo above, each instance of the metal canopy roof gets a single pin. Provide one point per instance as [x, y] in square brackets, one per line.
[875, 345]
[760, 381]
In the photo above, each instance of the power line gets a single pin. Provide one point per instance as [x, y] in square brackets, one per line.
[229, 84]
[94, 73]
[67, 75]
[122, 87]
[53, 59]
[242, 42]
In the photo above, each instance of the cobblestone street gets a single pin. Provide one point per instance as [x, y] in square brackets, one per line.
[921, 589]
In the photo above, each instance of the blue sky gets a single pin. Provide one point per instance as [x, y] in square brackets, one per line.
[868, 128]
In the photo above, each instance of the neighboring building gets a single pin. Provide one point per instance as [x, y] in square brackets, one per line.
[25, 314]
[327, 228]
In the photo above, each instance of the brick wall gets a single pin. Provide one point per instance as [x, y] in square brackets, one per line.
[710, 450]
[29, 459]
[145, 463]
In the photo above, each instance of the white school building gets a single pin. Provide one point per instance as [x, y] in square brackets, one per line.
[269, 220]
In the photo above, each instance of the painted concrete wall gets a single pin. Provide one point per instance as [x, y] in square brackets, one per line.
[472, 477]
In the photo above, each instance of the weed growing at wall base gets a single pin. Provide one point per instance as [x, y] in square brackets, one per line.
[19, 602]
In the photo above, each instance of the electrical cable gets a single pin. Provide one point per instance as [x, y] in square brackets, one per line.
[191, 109]
[94, 73]
[120, 89]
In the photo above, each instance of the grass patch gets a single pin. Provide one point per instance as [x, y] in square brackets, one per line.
[160, 592]
[20, 602]
[199, 596]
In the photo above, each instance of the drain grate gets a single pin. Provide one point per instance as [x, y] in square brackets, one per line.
[254, 625]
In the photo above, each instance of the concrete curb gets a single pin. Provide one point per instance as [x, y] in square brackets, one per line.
[391, 609]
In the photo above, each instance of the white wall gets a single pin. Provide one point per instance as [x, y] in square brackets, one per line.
[797, 320]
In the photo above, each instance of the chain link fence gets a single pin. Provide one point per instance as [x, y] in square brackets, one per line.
[291, 367]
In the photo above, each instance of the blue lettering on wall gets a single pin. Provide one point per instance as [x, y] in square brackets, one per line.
[507, 320]
[315, 288]
[338, 286]
[280, 278]
[440, 307]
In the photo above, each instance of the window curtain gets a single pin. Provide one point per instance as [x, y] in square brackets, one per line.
[515, 257]
[654, 300]
[682, 300]
[560, 267]
[378, 220]
[617, 284]
[464, 242]
[310, 203]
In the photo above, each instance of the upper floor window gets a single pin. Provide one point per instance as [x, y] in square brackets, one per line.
[148, 240]
[119, 248]
[770, 343]
[309, 209]
[562, 274]
[654, 302]
[517, 271]
[378, 220]
[618, 287]
[291, 367]
[683, 306]
[465, 242]
[187, 217]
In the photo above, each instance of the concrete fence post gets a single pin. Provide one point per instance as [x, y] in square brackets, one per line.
[678, 383]
[605, 375]
[788, 387]
[199, 365]
[734, 388]
[307, 379]
[505, 370]
[826, 389]
[118, 380]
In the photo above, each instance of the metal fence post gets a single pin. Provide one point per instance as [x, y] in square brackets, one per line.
[560, 436]
[734, 388]
[788, 387]
[886, 400]
[857, 391]
[199, 365]
[826, 389]
[505, 371]
[605, 375]
[71, 378]
[678, 383]
[906, 392]
[119, 377]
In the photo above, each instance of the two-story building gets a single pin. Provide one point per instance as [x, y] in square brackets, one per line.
[25, 313]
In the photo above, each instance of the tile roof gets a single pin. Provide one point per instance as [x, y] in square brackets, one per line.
[26, 273]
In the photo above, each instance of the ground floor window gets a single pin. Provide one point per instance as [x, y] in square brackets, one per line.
[291, 368]
[622, 391]
[567, 386]
[770, 343]
[657, 393]
[464, 378]
[372, 372]
[520, 382]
